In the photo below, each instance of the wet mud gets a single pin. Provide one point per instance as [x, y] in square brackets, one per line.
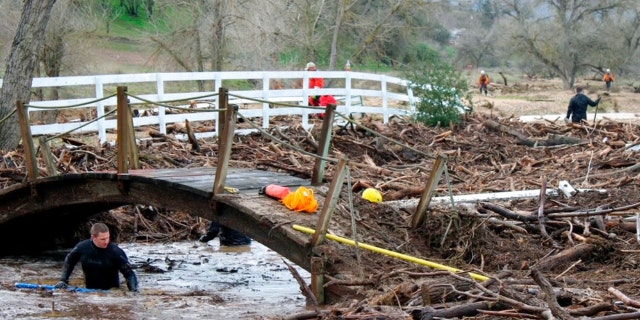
[181, 280]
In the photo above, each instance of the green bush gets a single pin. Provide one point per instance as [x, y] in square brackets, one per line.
[439, 90]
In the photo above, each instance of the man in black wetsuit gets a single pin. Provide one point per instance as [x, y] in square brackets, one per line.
[101, 260]
[228, 236]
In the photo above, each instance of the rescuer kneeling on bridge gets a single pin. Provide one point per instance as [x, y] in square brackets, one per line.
[228, 236]
[101, 260]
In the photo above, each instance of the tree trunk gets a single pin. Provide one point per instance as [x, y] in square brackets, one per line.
[21, 63]
[333, 56]
[217, 40]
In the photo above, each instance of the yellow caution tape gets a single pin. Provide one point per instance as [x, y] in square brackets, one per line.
[390, 253]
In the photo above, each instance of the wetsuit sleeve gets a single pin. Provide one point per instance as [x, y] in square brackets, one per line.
[132, 281]
[214, 229]
[70, 262]
[127, 271]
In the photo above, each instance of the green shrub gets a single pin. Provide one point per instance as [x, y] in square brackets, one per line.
[439, 90]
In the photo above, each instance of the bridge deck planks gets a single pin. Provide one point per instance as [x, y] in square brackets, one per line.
[245, 180]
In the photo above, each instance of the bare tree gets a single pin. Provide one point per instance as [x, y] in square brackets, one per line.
[217, 41]
[194, 41]
[558, 33]
[223, 34]
[342, 8]
[10, 16]
[622, 37]
[21, 63]
[379, 29]
[478, 33]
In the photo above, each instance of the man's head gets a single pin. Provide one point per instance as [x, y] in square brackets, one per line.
[481, 71]
[310, 66]
[100, 235]
[579, 89]
[608, 70]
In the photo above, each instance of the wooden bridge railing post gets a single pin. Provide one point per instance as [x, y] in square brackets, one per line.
[225, 140]
[323, 145]
[48, 156]
[27, 140]
[436, 173]
[126, 137]
[134, 157]
[330, 201]
[122, 140]
[317, 279]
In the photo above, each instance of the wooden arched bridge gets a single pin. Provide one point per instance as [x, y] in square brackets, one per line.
[71, 198]
[76, 197]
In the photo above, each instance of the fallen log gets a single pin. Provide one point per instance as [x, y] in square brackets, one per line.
[565, 257]
[437, 292]
[600, 175]
[549, 295]
[506, 212]
[400, 294]
[463, 310]
[626, 300]
[552, 140]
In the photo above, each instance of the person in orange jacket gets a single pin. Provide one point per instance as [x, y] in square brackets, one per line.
[314, 83]
[483, 82]
[608, 78]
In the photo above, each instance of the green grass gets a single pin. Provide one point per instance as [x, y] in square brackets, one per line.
[130, 27]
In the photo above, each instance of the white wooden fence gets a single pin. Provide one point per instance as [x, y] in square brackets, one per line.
[379, 94]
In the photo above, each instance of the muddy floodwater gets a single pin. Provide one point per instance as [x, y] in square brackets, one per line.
[182, 280]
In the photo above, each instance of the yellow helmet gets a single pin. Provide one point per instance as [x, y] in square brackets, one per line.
[372, 195]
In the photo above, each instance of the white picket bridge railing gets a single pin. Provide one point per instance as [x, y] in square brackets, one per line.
[391, 96]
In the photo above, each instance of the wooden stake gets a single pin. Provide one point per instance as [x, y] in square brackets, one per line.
[323, 145]
[329, 204]
[225, 141]
[48, 156]
[27, 141]
[429, 190]
[317, 279]
[122, 139]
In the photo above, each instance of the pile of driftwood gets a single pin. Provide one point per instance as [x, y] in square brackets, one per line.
[564, 262]
[539, 253]
[569, 237]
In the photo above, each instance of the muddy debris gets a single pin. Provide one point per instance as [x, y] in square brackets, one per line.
[553, 255]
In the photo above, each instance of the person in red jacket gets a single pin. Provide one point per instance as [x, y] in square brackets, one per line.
[314, 83]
